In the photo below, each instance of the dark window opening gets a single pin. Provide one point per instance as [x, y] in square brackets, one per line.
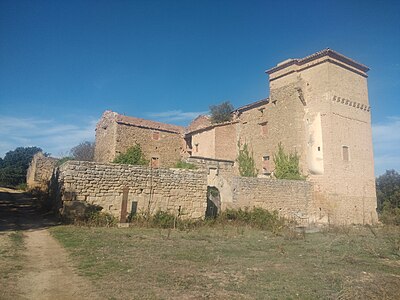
[345, 153]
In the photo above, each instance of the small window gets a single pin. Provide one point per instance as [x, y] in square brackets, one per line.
[319, 148]
[156, 135]
[197, 147]
[264, 128]
[265, 165]
[155, 162]
[345, 153]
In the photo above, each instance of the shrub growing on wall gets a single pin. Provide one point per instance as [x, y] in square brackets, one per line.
[247, 166]
[133, 156]
[221, 113]
[287, 165]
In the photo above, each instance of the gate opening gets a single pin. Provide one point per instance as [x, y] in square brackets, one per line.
[213, 202]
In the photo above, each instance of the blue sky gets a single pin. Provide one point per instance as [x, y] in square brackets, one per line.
[62, 63]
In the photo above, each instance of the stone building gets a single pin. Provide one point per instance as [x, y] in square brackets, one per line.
[163, 144]
[318, 107]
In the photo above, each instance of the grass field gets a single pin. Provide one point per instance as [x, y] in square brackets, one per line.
[228, 262]
[11, 252]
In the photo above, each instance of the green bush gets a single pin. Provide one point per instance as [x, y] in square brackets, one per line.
[390, 215]
[133, 156]
[163, 219]
[22, 187]
[257, 218]
[63, 160]
[247, 166]
[101, 219]
[185, 165]
[287, 165]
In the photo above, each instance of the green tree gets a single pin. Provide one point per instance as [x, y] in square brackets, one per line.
[247, 166]
[287, 165]
[84, 151]
[133, 156]
[388, 190]
[15, 164]
[221, 113]
[388, 194]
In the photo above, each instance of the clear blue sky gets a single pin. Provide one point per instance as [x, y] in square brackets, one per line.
[62, 63]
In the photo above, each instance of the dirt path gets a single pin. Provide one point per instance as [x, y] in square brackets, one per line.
[47, 272]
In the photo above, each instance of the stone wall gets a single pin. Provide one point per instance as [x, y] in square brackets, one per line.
[103, 184]
[166, 147]
[106, 135]
[40, 171]
[292, 199]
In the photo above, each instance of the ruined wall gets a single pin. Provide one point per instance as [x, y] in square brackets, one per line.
[40, 171]
[104, 150]
[166, 147]
[153, 189]
[293, 199]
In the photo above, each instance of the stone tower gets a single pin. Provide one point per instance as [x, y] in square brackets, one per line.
[320, 104]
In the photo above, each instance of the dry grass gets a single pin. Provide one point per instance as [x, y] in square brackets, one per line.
[11, 251]
[237, 262]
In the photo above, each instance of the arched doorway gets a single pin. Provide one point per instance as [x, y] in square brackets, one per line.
[213, 202]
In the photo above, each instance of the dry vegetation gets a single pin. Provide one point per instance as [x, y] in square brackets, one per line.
[11, 252]
[237, 262]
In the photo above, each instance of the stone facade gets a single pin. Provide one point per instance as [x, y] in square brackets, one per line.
[162, 144]
[318, 107]
[40, 171]
[174, 190]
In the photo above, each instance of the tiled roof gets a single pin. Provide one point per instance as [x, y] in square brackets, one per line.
[121, 119]
[325, 52]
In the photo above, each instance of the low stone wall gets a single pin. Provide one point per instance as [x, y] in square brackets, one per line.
[175, 190]
[40, 171]
[293, 199]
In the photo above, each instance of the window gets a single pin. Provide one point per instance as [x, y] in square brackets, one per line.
[345, 153]
[264, 128]
[155, 162]
[156, 135]
[265, 165]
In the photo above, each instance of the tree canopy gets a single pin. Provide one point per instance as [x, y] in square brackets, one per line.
[221, 113]
[15, 164]
[388, 196]
[83, 151]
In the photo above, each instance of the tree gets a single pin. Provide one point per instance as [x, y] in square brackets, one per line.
[388, 189]
[15, 164]
[221, 113]
[287, 165]
[388, 194]
[133, 156]
[247, 166]
[83, 151]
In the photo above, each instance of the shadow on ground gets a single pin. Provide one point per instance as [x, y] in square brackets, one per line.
[20, 211]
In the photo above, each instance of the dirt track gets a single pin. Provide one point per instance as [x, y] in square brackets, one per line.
[47, 272]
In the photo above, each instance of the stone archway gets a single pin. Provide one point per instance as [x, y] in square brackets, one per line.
[213, 202]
